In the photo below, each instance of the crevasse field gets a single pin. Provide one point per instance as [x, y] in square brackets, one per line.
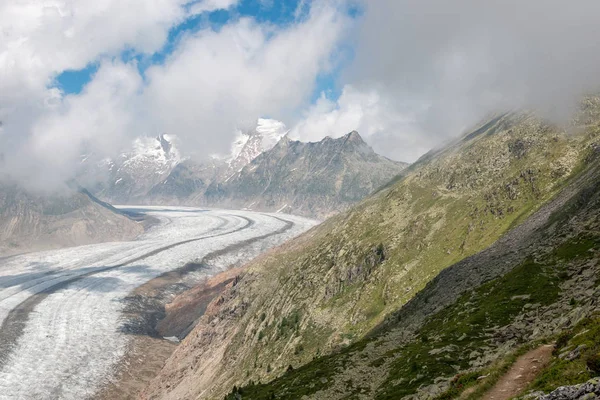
[70, 342]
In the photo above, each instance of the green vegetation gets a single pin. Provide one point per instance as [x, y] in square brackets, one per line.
[289, 324]
[585, 336]
[313, 377]
[449, 342]
[576, 247]
[463, 331]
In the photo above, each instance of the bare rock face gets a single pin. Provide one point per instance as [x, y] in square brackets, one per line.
[30, 221]
[588, 391]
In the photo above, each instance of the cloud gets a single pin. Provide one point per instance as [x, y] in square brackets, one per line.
[99, 118]
[199, 7]
[42, 38]
[217, 80]
[451, 63]
[425, 71]
[212, 82]
[421, 72]
[39, 40]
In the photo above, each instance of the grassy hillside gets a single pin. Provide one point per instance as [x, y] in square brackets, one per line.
[324, 292]
[551, 295]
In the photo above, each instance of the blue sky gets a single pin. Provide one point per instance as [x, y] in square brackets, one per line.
[280, 13]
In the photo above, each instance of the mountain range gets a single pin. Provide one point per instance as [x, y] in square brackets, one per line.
[266, 171]
[430, 288]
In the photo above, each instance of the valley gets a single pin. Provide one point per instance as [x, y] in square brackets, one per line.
[299, 200]
[66, 313]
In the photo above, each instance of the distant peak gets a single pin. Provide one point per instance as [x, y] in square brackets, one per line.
[354, 136]
[270, 131]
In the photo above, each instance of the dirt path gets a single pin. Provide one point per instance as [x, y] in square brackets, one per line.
[521, 374]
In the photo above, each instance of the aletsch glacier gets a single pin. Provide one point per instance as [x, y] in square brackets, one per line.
[72, 340]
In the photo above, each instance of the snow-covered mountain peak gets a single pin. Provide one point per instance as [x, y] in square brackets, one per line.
[271, 132]
[158, 151]
[238, 144]
[249, 145]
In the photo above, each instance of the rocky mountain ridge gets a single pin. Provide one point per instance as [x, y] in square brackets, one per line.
[267, 171]
[333, 314]
[316, 179]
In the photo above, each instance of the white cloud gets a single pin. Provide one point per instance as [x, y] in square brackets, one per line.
[42, 38]
[211, 83]
[199, 7]
[217, 80]
[39, 40]
[99, 118]
[422, 71]
[466, 58]
[426, 71]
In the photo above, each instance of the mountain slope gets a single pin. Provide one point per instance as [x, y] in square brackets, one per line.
[330, 287]
[466, 327]
[315, 179]
[30, 221]
[184, 183]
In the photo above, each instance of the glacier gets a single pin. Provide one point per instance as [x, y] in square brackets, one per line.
[71, 342]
